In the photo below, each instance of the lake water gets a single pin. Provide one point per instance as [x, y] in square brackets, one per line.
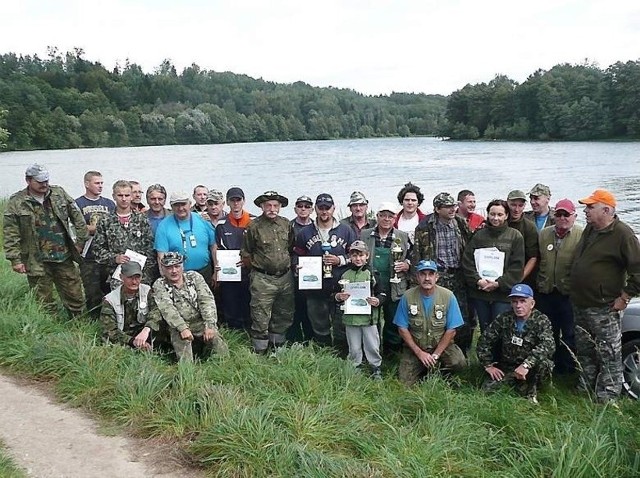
[377, 167]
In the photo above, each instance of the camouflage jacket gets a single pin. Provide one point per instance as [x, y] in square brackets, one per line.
[123, 319]
[190, 307]
[499, 343]
[112, 238]
[21, 242]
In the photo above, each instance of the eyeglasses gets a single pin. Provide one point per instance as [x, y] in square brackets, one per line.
[562, 214]
[303, 206]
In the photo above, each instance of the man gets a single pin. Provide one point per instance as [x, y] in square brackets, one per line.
[44, 232]
[604, 277]
[93, 206]
[517, 347]
[215, 208]
[124, 310]
[267, 247]
[157, 198]
[185, 303]
[122, 230]
[557, 247]
[541, 214]
[427, 318]
[358, 220]
[330, 240]
[136, 197]
[301, 330]
[410, 198]
[441, 238]
[188, 234]
[229, 236]
[200, 194]
[381, 240]
[466, 208]
[516, 201]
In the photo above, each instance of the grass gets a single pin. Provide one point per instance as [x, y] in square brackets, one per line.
[8, 468]
[303, 412]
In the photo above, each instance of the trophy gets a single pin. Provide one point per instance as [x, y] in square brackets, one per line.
[342, 283]
[396, 255]
[327, 269]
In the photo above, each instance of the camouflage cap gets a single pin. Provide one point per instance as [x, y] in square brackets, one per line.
[444, 200]
[359, 246]
[215, 195]
[357, 198]
[172, 259]
[516, 194]
[131, 268]
[37, 172]
[540, 190]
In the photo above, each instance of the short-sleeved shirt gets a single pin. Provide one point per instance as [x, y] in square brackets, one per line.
[453, 320]
[174, 235]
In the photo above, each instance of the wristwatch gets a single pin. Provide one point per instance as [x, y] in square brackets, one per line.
[435, 356]
[526, 365]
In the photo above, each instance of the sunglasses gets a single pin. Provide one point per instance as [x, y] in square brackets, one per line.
[562, 214]
[323, 208]
[303, 206]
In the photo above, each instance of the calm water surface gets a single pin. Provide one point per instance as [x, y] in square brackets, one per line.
[377, 167]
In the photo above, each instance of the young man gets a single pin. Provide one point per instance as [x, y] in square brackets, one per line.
[200, 194]
[466, 209]
[410, 198]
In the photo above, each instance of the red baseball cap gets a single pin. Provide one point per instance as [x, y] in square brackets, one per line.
[566, 205]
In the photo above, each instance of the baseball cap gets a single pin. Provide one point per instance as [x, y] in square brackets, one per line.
[37, 172]
[359, 246]
[172, 258]
[540, 190]
[215, 195]
[516, 194]
[521, 290]
[131, 268]
[443, 200]
[388, 206]
[600, 195]
[324, 199]
[304, 198]
[179, 197]
[426, 266]
[565, 205]
[235, 193]
[357, 198]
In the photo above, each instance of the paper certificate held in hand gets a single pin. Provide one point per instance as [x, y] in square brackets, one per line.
[228, 263]
[310, 273]
[357, 301]
[134, 256]
[489, 262]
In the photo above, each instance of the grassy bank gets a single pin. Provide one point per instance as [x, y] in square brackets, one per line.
[303, 412]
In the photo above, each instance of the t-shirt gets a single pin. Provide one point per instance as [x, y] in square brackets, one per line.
[453, 320]
[409, 226]
[540, 221]
[92, 210]
[192, 237]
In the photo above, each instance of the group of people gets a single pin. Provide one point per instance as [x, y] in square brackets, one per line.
[544, 291]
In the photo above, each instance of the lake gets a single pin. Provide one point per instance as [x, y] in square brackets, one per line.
[377, 167]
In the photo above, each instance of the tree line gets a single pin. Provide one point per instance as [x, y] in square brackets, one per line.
[66, 101]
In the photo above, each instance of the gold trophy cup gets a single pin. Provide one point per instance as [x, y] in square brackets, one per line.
[396, 255]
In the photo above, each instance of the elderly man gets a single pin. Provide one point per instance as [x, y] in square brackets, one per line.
[442, 238]
[541, 214]
[604, 277]
[124, 310]
[185, 303]
[466, 208]
[267, 247]
[215, 208]
[393, 270]
[557, 247]
[516, 201]
[427, 318]
[44, 232]
[517, 347]
[122, 230]
[190, 235]
[157, 198]
[358, 220]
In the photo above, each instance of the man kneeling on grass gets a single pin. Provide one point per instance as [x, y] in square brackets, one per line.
[427, 318]
[185, 302]
[517, 348]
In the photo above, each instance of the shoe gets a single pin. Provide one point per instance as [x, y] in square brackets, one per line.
[533, 399]
[376, 374]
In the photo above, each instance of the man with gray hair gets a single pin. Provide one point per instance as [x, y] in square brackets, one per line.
[358, 220]
[44, 232]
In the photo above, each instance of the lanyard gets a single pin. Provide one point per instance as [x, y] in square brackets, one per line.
[192, 238]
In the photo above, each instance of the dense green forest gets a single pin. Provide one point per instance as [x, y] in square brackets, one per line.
[66, 101]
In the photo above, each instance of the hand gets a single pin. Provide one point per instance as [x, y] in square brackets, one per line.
[330, 259]
[342, 296]
[239, 263]
[619, 304]
[400, 266]
[426, 358]
[186, 335]
[121, 259]
[495, 373]
[209, 334]
[140, 340]
[373, 301]
[521, 372]
[20, 268]
[214, 283]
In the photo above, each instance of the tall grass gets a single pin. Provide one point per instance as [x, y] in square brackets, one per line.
[304, 412]
[8, 468]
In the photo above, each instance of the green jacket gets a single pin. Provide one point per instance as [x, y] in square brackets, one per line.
[556, 260]
[21, 244]
[396, 290]
[269, 244]
[362, 274]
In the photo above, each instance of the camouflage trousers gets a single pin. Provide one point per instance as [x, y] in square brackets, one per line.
[272, 308]
[411, 369]
[599, 350]
[527, 388]
[186, 350]
[67, 281]
[454, 281]
[94, 281]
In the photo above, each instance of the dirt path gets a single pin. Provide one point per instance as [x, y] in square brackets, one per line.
[47, 439]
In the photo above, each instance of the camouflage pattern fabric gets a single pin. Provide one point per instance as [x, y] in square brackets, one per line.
[66, 278]
[134, 320]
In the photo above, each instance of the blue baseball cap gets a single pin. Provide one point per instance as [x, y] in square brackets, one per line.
[427, 266]
[521, 290]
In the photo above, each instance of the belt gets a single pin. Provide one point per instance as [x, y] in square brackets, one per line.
[272, 274]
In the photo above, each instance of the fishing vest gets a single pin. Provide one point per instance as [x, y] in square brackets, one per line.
[114, 297]
[427, 326]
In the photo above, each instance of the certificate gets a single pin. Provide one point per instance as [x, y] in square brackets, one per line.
[134, 256]
[310, 273]
[357, 301]
[489, 262]
[228, 263]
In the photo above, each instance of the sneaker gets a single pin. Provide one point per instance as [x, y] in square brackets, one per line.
[376, 374]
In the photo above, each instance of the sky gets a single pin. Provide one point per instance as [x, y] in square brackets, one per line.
[374, 47]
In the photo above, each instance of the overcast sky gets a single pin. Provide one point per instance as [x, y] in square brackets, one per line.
[373, 46]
